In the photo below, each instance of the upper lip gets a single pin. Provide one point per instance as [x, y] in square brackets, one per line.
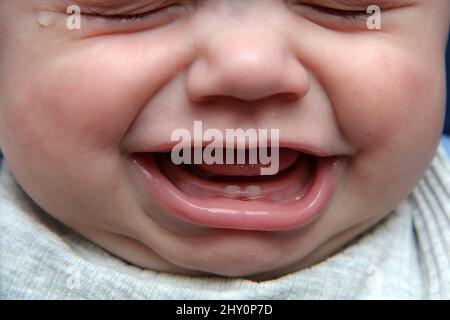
[306, 148]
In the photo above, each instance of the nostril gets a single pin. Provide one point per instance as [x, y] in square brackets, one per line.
[286, 96]
[210, 98]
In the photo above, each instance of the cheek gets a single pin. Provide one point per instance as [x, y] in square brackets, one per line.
[389, 103]
[65, 114]
[392, 99]
[86, 101]
[82, 101]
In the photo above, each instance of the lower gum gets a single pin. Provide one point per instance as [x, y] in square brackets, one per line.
[286, 195]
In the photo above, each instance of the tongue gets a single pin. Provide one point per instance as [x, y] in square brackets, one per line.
[287, 157]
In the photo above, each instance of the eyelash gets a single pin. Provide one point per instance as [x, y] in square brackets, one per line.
[130, 17]
[350, 15]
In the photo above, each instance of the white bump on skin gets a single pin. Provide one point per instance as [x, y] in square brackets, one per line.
[46, 19]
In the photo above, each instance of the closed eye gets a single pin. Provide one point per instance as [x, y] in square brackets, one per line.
[334, 17]
[136, 16]
[356, 14]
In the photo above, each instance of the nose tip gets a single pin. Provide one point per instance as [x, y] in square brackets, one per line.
[246, 68]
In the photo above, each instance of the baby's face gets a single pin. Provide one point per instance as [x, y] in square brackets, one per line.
[83, 114]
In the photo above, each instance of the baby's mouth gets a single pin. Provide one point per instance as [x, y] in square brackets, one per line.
[242, 182]
[237, 196]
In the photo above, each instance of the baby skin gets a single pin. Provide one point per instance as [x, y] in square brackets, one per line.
[87, 116]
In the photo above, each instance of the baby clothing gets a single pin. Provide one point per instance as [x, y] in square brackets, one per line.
[404, 256]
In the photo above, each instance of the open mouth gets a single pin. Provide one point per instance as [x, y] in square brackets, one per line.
[237, 196]
[241, 181]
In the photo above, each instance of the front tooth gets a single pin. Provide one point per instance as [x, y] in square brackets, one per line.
[253, 191]
[232, 190]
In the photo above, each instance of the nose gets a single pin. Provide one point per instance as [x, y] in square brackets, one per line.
[247, 67]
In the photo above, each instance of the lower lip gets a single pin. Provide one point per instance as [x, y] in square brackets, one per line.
[244, 215]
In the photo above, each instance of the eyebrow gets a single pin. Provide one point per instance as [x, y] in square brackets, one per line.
[363, 3]
[344, 2]
[383, 4]
[113, 5]
[107, 3]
